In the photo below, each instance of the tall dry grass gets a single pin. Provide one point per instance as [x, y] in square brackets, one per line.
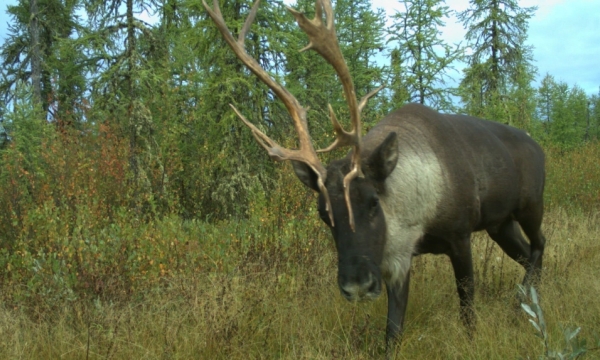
[81, 277]
[292, 310]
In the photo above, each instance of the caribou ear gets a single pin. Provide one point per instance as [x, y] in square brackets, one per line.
[383, 160]
[306, 174]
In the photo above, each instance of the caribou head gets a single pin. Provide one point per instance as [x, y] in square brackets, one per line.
[355, 216]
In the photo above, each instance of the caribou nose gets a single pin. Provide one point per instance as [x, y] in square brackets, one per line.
[369, 288]
[347, 294]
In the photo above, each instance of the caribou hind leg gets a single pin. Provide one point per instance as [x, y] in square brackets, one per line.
[531, 223]
[508, 236]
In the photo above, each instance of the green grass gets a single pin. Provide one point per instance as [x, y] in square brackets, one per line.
[257, 301]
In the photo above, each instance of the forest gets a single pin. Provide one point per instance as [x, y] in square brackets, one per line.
[140, 218]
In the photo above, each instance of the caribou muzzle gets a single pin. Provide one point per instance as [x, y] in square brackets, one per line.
[359, 283]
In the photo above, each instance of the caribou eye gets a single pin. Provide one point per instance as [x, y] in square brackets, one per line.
[374, 206]
[374, 202]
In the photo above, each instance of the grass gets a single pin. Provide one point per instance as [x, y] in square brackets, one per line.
[285, 304]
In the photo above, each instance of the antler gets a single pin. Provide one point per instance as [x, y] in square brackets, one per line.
[306, 153]
[323, 40]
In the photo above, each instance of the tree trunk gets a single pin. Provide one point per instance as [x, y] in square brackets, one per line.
[36, 57]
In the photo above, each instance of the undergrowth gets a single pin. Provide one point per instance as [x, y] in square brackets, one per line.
[84, 276]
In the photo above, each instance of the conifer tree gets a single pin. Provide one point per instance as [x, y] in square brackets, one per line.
[545, 102]
[233, 164]
[39, 51]
[563, 111]
[595, 117]
[122, 45]
[420, 58]
[499, 61]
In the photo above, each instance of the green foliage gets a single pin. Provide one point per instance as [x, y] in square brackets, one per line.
[503, 51]
[264, 287]
[593, 124]
[22, 163]
[44, 65]
[3, 137]
[575, 347]
[164, 88]
[573, 177]
[76, 249]
[133, 179]
[420, 57]
[313, 81]
[565, 113]
[138, 114]
[360, 31]
[496, 83]
[215, 136]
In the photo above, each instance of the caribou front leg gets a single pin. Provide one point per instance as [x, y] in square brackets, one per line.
[397, 294]
[462, 263]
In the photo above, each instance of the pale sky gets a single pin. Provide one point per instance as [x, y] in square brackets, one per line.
[565, 35]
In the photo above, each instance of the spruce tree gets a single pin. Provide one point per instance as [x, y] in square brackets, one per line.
[499, 60]
[235, 166]
[595, 117]
[564, 112]
[420, 58]
[545, 102]
[360, 31]
[39, 51]
[122, 45]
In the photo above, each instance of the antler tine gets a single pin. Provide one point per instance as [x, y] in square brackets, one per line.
[275, 151]
[306, 152]
[344, 138]
[365, 99]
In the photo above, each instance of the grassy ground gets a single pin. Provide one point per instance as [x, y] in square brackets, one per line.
[267, 305]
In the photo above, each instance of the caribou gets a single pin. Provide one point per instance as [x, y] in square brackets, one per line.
[418, 182]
